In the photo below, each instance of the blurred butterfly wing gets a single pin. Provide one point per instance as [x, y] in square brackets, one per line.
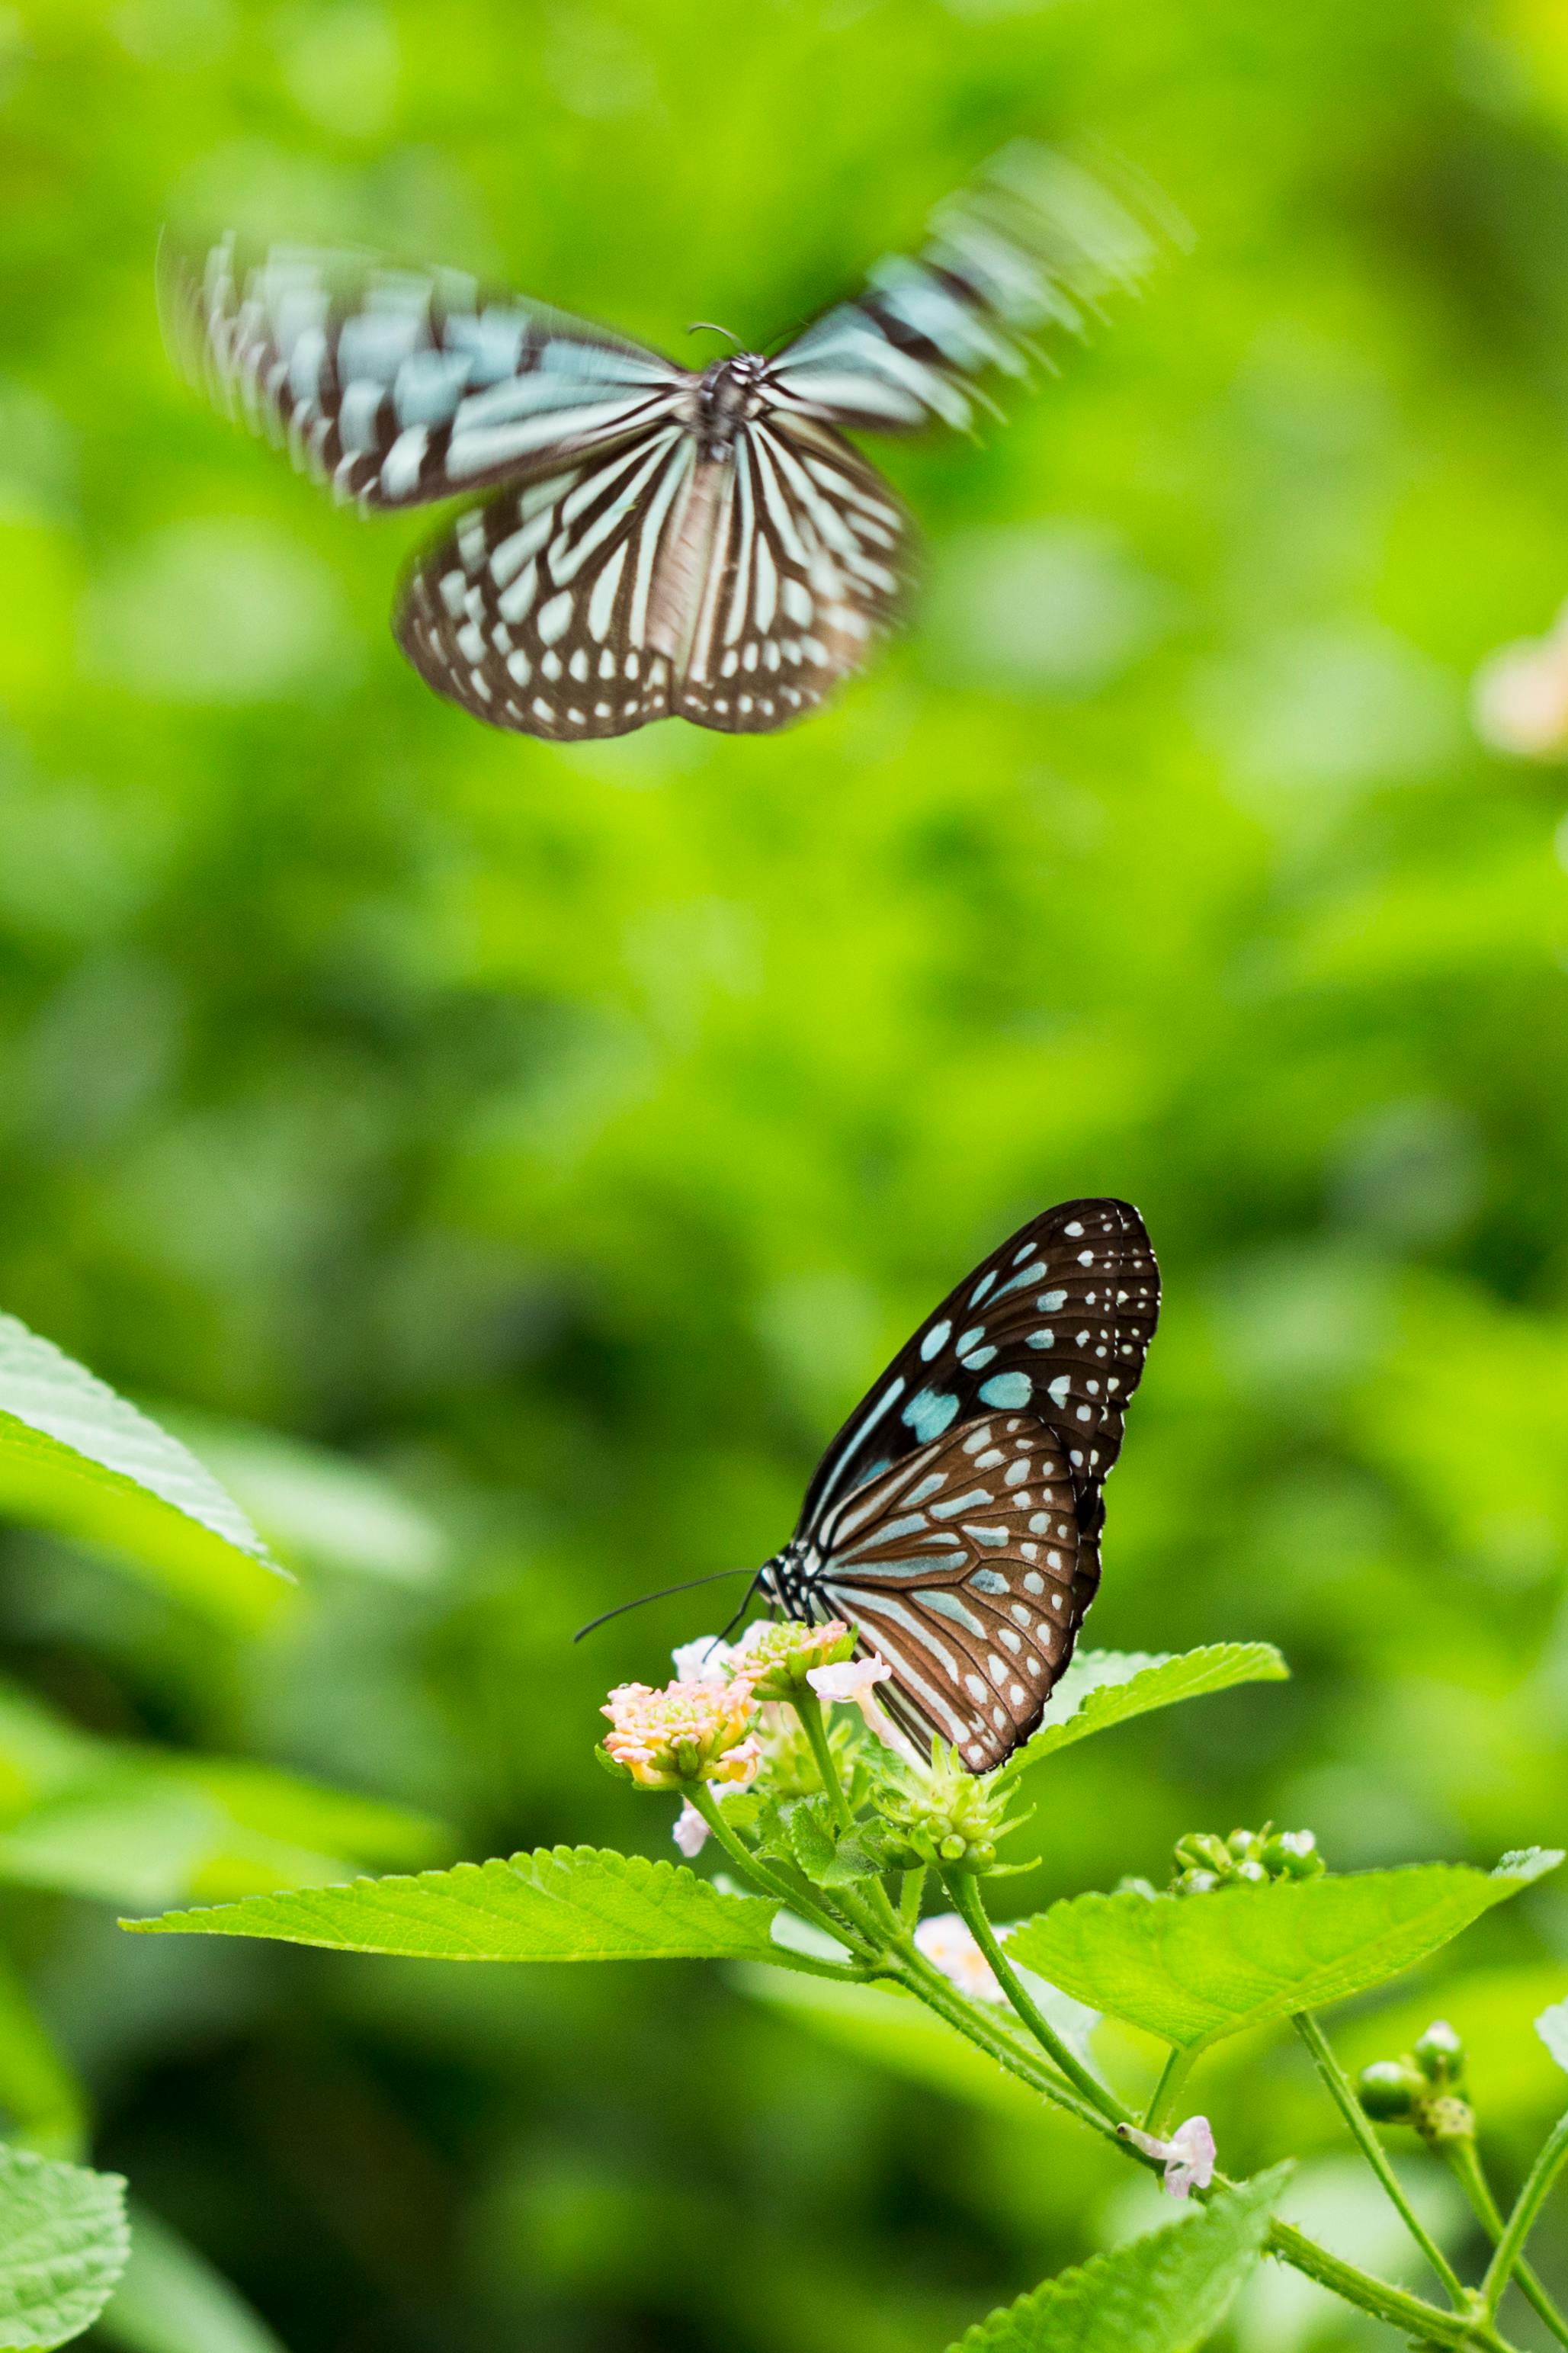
[807, 566]
[538, 611]
[1056, 1325]
[397, 387]
[966, 1568]
[1033, 244]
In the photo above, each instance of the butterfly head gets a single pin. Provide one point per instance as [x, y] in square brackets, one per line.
[729, 394]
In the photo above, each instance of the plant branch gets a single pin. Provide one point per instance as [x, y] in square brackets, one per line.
[1339, 2089]
[1526, 2207]
[964, 1891]
[1419, 2320]
[761, 1876]
[1465, 2159]
[808, 1707]
[1173, 2076]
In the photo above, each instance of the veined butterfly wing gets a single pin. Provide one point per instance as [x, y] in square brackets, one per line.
[540, 611]
[806, 566]
[1054, 1325]
[395, 386]
[1034, 244]
[964, 1566]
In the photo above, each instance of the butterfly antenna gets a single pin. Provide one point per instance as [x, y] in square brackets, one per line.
[745, 1605]
[707, 327]
[662, 1595]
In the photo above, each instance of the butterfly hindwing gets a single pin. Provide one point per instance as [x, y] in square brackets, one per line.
[807, 565]
[395, 386]
[965, 1566]
[539, 612]
[1056, 1325]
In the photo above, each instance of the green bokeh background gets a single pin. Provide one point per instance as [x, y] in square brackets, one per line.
[569, 1134]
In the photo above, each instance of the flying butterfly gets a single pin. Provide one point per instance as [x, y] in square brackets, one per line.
[954, 1522]
[664, 542]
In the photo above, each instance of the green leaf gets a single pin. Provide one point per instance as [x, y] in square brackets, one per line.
[171, 2300]
[1163, 2294]
[810, 1838]
[1105, 1687]
[558, 1903]
[863, 1853]
[76, 1459]
[1194, 1968]
[316, 1507]
[63, 2244]
[896, 2032]
[143, 1826]
[44, 2104]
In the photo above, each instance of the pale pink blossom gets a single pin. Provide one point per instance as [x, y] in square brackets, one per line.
[691, 1832]
[949, 1945]
[705, 1660]
[777, 1655]
[688, 1732]
[1187, 2157]
[853, 1683]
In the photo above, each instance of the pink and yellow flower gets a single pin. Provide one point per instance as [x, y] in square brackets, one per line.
[777, 1658]
[686, 1733]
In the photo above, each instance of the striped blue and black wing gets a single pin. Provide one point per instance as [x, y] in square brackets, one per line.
[1055, 1326]
[965, 1566]
[805, 568]
[545, 611]
[395, 386]
[1034, 244]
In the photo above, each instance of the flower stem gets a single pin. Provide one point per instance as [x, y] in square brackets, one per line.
[1339, 2089]
[1172, 2076]
[754, 1868]
[962, 1888]
[910, 1894]
[935, 1992]
[1526, 2207]
[1465, 2159]
[808, 1707]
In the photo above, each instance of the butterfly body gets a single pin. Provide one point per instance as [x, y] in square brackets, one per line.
[955, 1520]
[661, 541]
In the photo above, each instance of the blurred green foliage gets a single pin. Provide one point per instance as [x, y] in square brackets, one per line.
[565, 1137]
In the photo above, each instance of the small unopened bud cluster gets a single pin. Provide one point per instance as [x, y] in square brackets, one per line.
[1422, 2088]
[945, 1815]
[777, 1657]
[1204, 1860]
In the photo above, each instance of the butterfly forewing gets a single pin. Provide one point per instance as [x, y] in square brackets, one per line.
[807, 566]
[1055, 1324]
[1032, 245]
[397, 387]
[966, 1568]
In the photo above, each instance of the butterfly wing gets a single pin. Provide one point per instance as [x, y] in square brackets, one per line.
[1054, 1325]
[538, 612]
[806, 566]
[397, 387]
[964, 1566]
[1032, 245]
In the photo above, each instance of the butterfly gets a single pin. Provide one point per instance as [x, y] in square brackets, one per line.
[954, 1522]
[663, 541]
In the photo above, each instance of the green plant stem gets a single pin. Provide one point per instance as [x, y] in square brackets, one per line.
[910, 1894]
[1465, 2159]
[754, 1868]
[1339, 2089]
[964, 1891]
[997, 2043]
[1172, 2077]
[1526, 2207]
[808, 1707]
[878, 1904]
[1417, 2320]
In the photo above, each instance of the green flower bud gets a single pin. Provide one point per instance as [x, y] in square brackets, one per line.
[941, 1813]
[1242, 1844]
[1389, 2089]
[1440, 2055]
[1253, 1873]
[1444, 2119]
[1292, 1854]
[1196, 1883]
[953, 1849]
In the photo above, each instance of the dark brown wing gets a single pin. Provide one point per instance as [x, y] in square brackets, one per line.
[966, 1568]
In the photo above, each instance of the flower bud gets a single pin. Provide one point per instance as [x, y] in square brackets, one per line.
[1440, 2055]
[1196, 1882]
[1292, 1854]
[777, 1656]
[1444, 2118]
[942, 1814]
[1389, 2089]
[1202, 1850]
[1241, 1844]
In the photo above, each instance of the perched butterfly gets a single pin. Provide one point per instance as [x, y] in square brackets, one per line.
[667, 543]
[956, 1519]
